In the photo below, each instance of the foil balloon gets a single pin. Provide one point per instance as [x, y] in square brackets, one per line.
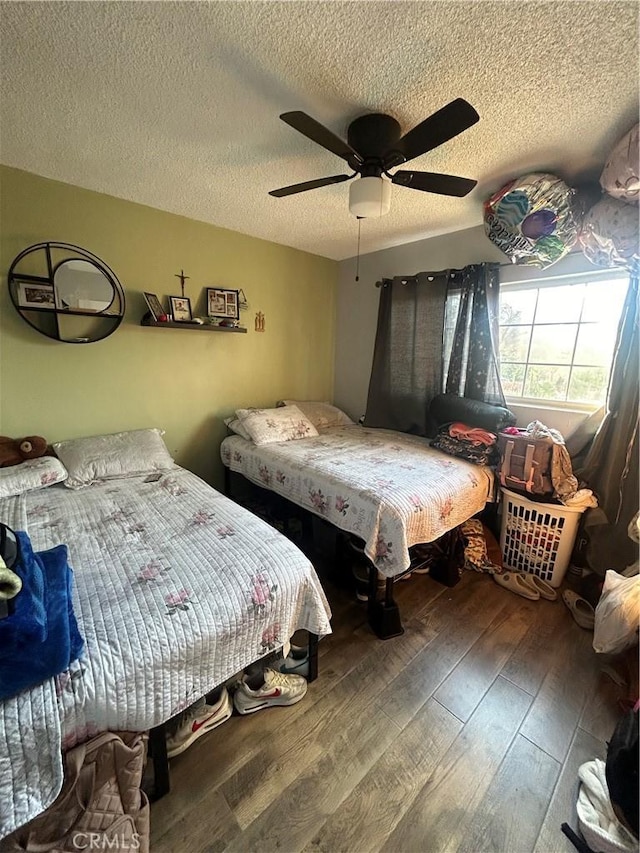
[609, 236]
[620, 177]
[534, 220]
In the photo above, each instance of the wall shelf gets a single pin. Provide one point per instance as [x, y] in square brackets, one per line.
[193, 326]
[52, 304]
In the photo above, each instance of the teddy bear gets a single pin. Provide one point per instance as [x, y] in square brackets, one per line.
[14, 451]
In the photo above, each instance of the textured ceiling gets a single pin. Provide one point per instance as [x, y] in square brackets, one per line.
[175, 105]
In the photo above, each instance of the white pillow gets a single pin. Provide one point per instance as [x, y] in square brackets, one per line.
[321, 415]
[31, 474]
[235, 425]
[266, 426]
[108, 457]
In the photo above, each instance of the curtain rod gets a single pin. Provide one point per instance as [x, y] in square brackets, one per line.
[506, 264]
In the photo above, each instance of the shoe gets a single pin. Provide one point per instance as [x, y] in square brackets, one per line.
[514, 583]
[197, 721]
[277, 689]
[581, 610]
[543, 587]
[295, 663]
[360, 574]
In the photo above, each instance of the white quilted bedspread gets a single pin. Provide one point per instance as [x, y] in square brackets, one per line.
[391, 489]
[177, 589]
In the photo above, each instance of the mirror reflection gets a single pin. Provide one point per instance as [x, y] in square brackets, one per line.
[81, 286]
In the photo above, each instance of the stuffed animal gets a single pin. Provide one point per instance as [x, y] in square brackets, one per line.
[14, 451]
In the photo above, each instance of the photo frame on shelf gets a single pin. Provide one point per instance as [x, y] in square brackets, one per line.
[32, 295]
[180, 309]
[154, 305]
[222, 303]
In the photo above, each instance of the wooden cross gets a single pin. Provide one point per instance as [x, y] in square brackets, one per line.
[182, 278]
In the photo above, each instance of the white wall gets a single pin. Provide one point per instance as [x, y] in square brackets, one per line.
[357, 309]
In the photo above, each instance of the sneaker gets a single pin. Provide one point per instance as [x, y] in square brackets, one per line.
[360, 574]
[197, 721]
[296, 662]
[277, 689]
[361, 577]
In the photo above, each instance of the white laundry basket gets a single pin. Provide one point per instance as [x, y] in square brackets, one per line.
[537, 537]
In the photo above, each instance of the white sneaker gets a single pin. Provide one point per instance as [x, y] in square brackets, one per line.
[361, 576]
[196, 721]
[278, 689]
[296, 662]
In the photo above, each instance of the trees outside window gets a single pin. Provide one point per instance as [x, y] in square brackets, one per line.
[557, 338]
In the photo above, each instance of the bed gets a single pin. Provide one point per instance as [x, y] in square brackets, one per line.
[390, 489]
[177, 589]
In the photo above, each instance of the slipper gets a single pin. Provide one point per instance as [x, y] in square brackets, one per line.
[581, 610]
[543, 587]
[514, 583]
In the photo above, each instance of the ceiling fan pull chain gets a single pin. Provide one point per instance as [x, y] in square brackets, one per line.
[358, 255]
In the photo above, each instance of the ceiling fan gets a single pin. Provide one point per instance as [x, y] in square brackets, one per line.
[375, 145]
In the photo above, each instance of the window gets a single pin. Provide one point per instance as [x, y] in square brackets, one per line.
[557, 337]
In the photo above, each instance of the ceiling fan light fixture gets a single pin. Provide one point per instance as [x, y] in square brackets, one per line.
[369, 197]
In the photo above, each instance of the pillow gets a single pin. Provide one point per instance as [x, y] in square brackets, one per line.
[266, 426]
[107, 457]
[31, 474]
[447, 408]
[321, 415]
[235, 425]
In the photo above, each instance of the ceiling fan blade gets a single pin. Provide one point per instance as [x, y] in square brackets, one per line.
[431, 182]
[309, 185]
[443, 125]
[319, 134]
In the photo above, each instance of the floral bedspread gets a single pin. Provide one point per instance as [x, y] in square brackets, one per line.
[391, 489]
[177, 589]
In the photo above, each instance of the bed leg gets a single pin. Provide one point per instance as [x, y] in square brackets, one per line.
[306, 522]
[158, 752]
[313, 657]
[384, 616]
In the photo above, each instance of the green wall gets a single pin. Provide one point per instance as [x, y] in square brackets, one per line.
[183, 381]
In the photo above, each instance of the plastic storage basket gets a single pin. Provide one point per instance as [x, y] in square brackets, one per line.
[536, 537]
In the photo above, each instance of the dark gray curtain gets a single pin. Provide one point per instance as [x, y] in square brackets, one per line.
[471, 366]
[611, 466]
[407, 361]
[437, 331]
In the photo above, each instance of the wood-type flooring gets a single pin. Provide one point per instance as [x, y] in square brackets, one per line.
[463, 734]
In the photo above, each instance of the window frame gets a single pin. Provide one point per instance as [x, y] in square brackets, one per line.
[546, 281]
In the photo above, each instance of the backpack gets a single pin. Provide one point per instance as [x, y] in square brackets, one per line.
[8, 545]
[9, 553]
[525, 463]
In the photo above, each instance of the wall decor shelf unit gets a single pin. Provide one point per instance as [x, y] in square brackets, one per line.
[192, 326]
[66, 293]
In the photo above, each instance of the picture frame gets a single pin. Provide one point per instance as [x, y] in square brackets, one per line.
[154, 305]
[180, 309]
[223, 303]
[34, 295]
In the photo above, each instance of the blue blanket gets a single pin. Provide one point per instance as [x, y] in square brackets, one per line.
[41, 637]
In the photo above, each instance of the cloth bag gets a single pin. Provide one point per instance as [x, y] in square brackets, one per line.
[100, 806]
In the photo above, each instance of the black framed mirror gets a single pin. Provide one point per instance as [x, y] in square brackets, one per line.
[66, 293]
